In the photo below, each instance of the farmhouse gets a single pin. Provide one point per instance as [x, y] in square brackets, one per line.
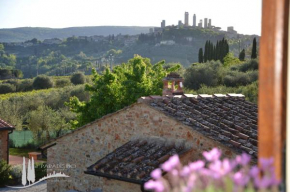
[118, 151]
[5, 130]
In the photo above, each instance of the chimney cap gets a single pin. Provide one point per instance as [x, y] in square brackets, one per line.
[173, 76]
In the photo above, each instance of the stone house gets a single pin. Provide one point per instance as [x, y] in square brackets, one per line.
[118, 151]
[5, 130]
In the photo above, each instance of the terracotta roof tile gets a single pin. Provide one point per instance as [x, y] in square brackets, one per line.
[228, 119]
[134, 161]
[4, 125]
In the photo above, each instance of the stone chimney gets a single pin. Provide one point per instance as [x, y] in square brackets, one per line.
[174, 79]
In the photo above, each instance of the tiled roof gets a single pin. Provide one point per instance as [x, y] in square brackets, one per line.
[5, 125]
[229, 119]
[134, 161]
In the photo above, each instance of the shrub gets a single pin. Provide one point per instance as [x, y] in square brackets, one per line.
[25, 85]
[7, 88]
[236, 78]
[230, 60]
[40, 170]
[249, 65]
[78, 78]
[4, 172]
[16, 173]
[62, 82]
[79, 92]
[205, 73]
[42, 82]
[214, 174]
[12, 82]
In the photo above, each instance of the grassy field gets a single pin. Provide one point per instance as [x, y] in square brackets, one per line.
[20, 152]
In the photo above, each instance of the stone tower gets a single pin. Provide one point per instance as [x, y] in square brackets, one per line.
[194, 20]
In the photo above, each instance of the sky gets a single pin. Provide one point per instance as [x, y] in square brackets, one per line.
[244, 15]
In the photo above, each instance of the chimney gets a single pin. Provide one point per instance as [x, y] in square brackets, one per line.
[173, 79]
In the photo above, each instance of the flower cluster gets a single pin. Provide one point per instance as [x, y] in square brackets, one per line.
[213, 174]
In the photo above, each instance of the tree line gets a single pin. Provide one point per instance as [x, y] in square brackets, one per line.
[220, 51]
[213, 52]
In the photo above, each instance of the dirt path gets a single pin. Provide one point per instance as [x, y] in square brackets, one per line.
[40, 187]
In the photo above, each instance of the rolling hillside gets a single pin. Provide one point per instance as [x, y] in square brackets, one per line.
[28, 33]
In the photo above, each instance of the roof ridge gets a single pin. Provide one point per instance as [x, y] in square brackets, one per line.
[4, 124]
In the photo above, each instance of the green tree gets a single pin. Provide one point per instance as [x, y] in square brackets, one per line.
[242, 55]
[230, 60]
[200, 56]
[254, 49]
[114, 90]
[78, 78]
[206, 51]
[202, 74]
[7, 88]
[44, 121]
[42, 82]
[1, 49]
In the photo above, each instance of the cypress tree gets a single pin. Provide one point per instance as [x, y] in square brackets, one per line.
[217, 50]
[209, 51]
[205, 52]
[242, 55]
[227, 47]
[200, 56]
[254, 49]
[214, 52]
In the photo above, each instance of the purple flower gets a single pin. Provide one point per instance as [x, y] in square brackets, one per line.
[205, 172]
[157, 186]
[243, 159]
[149, 185]
[174, 172]
[241, 179]
[266, 163]
[156, 174]
[171, 163]
[191, 182]
[212, 155]
[197, 165]
[264, 183]
[221, 168]
[185, 171]
[254, 172]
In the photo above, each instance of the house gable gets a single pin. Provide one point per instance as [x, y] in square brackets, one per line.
[85, 146]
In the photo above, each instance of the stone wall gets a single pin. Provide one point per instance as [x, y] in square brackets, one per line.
[77, 151]
[3, 145]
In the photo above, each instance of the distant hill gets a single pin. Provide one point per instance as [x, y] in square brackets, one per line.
[27, 33]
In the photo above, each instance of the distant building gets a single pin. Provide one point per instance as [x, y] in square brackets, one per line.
[214, 28]
[97, 38]
[151, 30]
[231, 33]
[200, 23]
[157, 29]
[194, 20]
[209, 23]
[82, 37]
[186, 19]
[189, 39]
[130, 40]
[52, 41]
[180, 24]
[168, 42]
[230, 29]
[205, 22]
[163, 24]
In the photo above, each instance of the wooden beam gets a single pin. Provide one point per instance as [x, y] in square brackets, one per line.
[272, 81]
